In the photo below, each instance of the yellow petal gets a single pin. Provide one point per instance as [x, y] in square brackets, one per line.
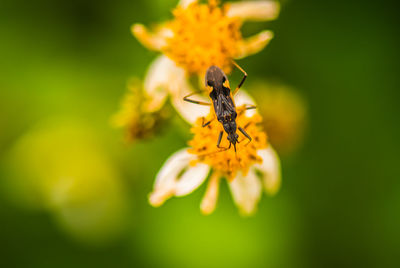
[152, 41]
[254, 44]
[210, 198]
[254, 10]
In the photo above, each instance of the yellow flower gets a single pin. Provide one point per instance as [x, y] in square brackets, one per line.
[135, 116]
[201, 35]
[285, 115]
[188, 168]
[60, 167]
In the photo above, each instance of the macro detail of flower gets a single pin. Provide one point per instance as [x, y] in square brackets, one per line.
[228, 162]
[198, 36]
[254, 166]
[201, 35]
[136, 115]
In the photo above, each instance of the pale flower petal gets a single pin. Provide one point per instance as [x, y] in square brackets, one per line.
[170, 183]
[164, 185]
[191, 179]
[254, 44]
[246, 192]
[209, 201]
[243, 98]
[190, 111]
[271, 170]
[254, 10]
[162, 78]
[186, 3]
[152, 41]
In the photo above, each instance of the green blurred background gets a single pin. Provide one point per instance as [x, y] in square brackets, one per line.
[63, 70]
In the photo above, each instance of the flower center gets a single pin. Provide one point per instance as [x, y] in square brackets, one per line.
[203, 36]
[226, 161]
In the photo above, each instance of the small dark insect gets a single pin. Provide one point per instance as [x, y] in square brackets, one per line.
[222, 100]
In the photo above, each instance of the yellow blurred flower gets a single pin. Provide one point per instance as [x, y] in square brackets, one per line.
[252, 165]
[60, 168]
[199, 35]
[135, 116]
[285, 115]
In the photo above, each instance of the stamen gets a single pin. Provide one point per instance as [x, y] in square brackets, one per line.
[203, 36]
[228, 162]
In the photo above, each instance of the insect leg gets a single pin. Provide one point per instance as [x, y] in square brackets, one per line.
[223, 150]
[245, 133]
[186, 98]
[247, 108]
[219, 139]
[218, 143]
[251, 107]
[206, 124]
[243, 79]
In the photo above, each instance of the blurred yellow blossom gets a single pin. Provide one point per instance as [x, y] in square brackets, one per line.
[254, 164]
[285, 115]
[60, 167]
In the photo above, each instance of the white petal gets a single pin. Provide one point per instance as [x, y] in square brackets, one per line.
[153, 41]
[186, 3]
[163, 77]
[164, 185]
[191, 179]
[246, 192]
[254, 44]
[209, 201]
[254, 10]
[190, 111]
[271, 170]
[243, 98]
[174, 164]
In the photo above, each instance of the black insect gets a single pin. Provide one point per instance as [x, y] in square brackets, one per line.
[222, 100]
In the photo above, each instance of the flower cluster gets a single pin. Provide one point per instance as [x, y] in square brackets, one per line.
[253, 164]
[198, 36]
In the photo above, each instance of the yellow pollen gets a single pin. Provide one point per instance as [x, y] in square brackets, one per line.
[227, 162]
[203, 36]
